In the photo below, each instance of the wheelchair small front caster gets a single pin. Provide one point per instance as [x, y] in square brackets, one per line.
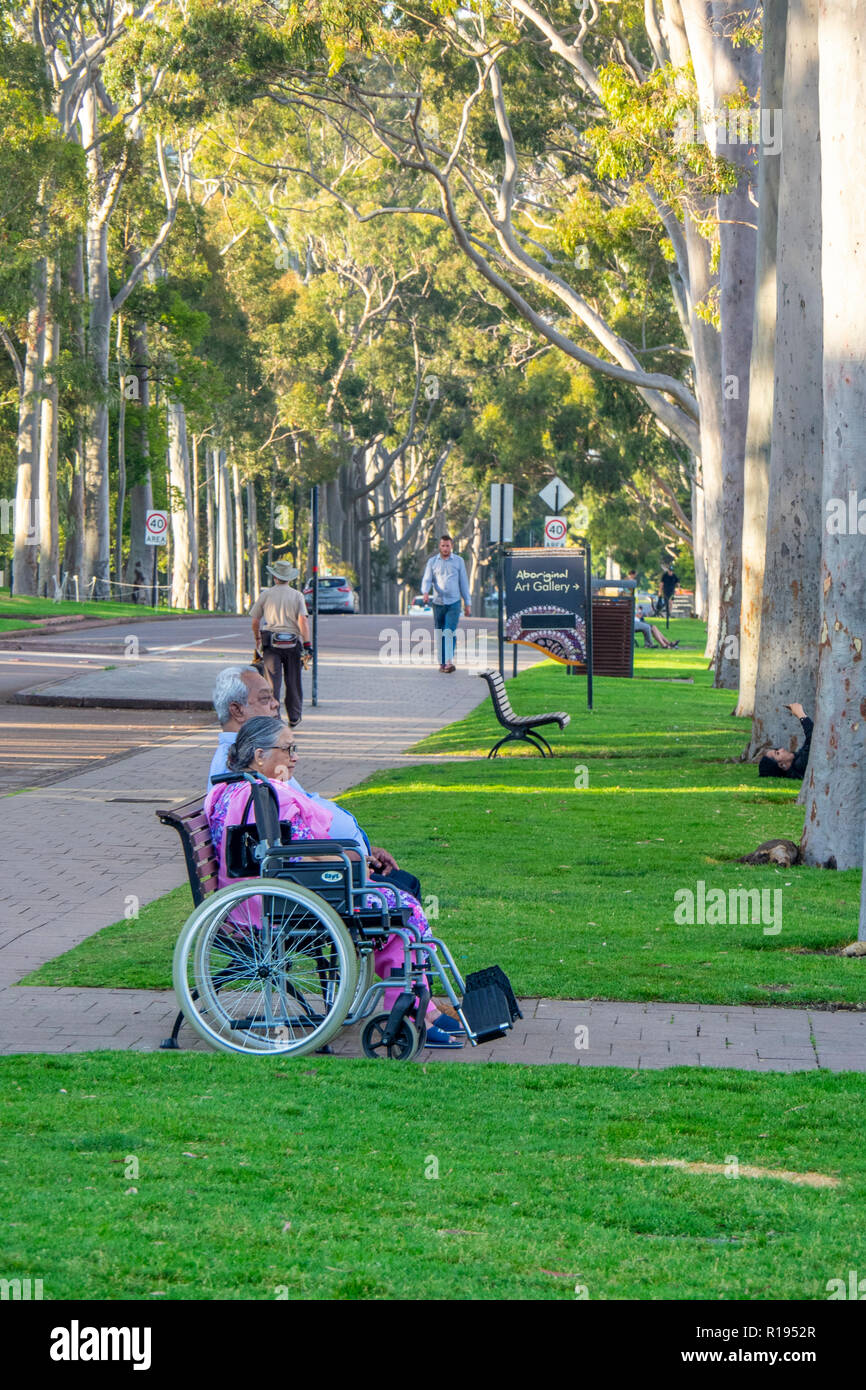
[406, 1045]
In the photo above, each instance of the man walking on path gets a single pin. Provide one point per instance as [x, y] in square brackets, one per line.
[445, 576]
[280, 627]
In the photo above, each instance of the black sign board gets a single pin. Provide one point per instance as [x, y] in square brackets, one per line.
[548, 605]
[546, 602]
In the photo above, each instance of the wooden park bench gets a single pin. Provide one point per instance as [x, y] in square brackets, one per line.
[521, 728]
[190, 822]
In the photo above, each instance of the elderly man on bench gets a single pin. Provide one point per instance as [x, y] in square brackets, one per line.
[241, 694]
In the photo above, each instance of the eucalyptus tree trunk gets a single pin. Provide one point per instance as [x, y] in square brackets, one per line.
[386, 597]
[708, 374]
[184, 566]
[756, 484]
[238, 510]
[332, 514]
[272, 512]
[120, 504]
[835, 790]
[73, 550]
[73, 554]
[255, 564]
[699, 549]
[690, 39]
[97, 501]
[48, 519]
[196, 521]
[226, 590]
[787, 654]
[26, 538]
[210, 508]
[141, 492]
[735, 69]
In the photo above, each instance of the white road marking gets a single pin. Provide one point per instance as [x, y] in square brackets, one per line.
[223, 637]
[22, 657]
[105, 657]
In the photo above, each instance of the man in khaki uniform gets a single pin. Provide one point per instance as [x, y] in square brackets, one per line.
[282, 632]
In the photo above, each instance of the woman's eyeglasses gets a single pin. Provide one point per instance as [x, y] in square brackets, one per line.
[291, 750]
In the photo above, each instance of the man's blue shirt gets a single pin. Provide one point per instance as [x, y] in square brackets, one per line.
[446, 579]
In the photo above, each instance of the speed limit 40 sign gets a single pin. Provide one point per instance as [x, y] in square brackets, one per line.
[155, 528]
[555, 530]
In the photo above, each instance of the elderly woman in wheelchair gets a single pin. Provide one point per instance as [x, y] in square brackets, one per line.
[285, 952]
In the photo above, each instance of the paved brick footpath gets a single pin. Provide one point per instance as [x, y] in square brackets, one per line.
[78, 853]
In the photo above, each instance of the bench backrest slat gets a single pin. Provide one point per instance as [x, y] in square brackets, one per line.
[499, 695]
[190, 822]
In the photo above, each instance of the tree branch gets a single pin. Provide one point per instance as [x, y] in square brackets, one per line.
[16, 360]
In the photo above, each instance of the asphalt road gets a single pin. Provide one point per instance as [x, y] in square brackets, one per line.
[359, 633]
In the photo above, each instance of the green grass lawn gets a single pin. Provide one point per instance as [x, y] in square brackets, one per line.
[570, 887]
[200, 1177]
[22, 612]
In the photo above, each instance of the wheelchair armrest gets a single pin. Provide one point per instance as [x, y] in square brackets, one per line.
[317, 847]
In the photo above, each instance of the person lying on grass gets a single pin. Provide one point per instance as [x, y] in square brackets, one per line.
[781, 762]
[266, 745]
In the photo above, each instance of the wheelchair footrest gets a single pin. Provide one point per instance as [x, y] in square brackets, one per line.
[486, 1010]
[495, 975]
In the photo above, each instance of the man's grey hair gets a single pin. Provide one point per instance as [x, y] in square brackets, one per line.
[230, 689]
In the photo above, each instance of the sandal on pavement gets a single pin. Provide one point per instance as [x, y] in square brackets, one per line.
[436, 1037]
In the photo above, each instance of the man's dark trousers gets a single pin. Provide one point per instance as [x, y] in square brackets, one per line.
[284, 663]
[401, 880]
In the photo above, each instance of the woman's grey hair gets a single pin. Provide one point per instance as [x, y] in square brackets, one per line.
[261, 732]
[231, 690]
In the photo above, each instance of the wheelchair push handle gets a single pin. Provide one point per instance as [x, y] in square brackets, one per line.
[220, 777]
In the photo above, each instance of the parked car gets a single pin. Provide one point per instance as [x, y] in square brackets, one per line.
[419, 606]
[336, 595]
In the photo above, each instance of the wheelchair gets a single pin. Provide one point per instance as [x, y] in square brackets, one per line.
[277, 963]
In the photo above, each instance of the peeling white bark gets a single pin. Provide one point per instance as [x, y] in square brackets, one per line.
[756, 482]
[787, 656]
[836, 779]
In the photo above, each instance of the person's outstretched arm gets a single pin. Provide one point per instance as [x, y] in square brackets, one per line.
[801, 757]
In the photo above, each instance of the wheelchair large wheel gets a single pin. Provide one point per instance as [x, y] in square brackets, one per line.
[274, 967]
[366, 976]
